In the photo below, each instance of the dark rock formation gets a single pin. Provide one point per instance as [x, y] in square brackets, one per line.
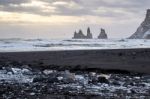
[143, 31]
[102, 35]
[75, 34]
[80, 35]
[103, 80]
[147, 36]
[89, 34]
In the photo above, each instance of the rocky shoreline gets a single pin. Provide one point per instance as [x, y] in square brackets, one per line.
[28, 83]
[80, 74]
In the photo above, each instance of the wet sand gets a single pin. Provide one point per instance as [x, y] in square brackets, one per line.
[134, 60]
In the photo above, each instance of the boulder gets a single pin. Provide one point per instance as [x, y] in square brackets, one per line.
[102, 79]
[66, 77]
[47, 72]
[40, 79]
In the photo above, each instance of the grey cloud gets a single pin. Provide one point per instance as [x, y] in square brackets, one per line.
[19, 9]
[87, 7]
[7, 2]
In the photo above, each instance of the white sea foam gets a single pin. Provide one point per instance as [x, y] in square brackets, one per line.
[13, 45]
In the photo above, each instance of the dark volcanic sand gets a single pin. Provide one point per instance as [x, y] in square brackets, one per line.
[137, 60]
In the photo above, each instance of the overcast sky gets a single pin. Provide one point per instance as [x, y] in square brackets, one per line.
[60, 18]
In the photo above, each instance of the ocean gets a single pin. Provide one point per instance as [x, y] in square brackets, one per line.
[19, 45]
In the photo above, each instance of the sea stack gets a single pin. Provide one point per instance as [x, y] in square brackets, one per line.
[102, 34]
[89, 34]
[143, 31]
[80, 35]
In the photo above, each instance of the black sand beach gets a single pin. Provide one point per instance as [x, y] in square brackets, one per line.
[75, 74]
[132, 60]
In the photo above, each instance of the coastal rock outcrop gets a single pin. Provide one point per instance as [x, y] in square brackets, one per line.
[143, 31]
[89, 34]
[80, 35]
[102, 34]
